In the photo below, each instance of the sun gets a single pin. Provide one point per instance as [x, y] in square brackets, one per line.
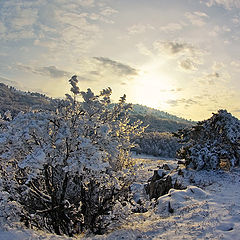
[152, 87]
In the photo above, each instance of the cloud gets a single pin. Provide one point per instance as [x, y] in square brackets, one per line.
[173, 48]
[86, 3]
[82, 78]
[139, 28]
[210, 78]
[178, 49]
[197, 18]
[182, 101]
[50, 71]
[18, 20]
[144, 50]
[187, 65]
[216, 30]
[227, 4]
[56, 27]
[236, 64]
[116, 67]
[217, 66]
[172, 90]
[171, 27]
[177, 90]
[9, 82]
[2, 28]
[108, 11]
[236, 20]
[24, 18]
[189, 57]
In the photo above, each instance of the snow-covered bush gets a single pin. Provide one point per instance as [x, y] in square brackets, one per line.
[161, 144]
[69, 167]
[213, 143]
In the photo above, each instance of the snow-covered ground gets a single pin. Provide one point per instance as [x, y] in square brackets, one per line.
[208, 209]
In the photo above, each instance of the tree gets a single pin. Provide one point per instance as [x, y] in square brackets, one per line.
[157, 144]
[70, 167]
[213, 143]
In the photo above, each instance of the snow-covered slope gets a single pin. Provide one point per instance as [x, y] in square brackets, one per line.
[208, 209]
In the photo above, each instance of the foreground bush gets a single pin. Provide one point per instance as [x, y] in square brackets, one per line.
[68, 170]
[213, 143]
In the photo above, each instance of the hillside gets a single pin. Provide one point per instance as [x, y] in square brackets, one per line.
[16, 101]
[144, 110]
[157, 120]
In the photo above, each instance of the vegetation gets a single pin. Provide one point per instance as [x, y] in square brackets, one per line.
[157, 144]
[68, 171]
[157, 121]
[213, 143]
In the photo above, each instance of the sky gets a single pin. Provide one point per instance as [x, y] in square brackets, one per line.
[178, 56]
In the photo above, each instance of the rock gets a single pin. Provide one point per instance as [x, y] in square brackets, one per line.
[166, 167]
[180, 172]
[158, 185]
[181, 162]
[225, 164]
[170, 209]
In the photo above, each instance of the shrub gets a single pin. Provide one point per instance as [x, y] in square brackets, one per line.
[213, 143]
[69, 167]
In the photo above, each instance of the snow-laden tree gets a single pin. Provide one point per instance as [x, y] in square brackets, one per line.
[213, 143]
[157, 144]
[69, 168]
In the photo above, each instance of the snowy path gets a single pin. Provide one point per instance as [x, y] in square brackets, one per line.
[212, 214]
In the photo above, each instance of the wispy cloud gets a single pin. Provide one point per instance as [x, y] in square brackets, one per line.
[218, 66]
[189, 57]
[236, 65]
[210, 78]
[117, 67]
[144, 50]
[2, 28]
[197, 18]
[108, 11]
[9, 82]
[171, 27]
[172, 90]
[173, 48]
[182, 101]
[236, 20]
[228, 4]
[139, 28]
[50, 71]
[58, 26]
[187, 65]
[218, 30]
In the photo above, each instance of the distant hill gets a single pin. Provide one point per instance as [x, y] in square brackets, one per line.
[157, 120]
[157, 124]
[16, 101]
[144, 110]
